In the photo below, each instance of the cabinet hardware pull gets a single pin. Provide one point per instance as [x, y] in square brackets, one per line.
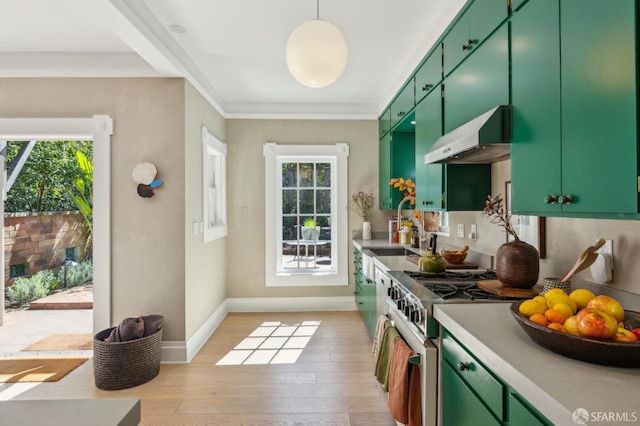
[550, 199]
[565, 199]
[427, 87]
[464, 366]
[400, 113]
[472, 41]
[465, 46]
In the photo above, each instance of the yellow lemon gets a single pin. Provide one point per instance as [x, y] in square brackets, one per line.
[558, 298]
[530, 307]
[555, 292]
[540, 299]
[571, 325]
[564, 308]
[581, 296]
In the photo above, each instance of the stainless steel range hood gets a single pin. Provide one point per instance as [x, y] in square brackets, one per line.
[483, 140]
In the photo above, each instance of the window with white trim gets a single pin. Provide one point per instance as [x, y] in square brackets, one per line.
[306, 216]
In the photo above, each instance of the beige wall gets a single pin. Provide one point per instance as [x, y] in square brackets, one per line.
[205, 264]
[246, 244]
[147, 234]
[566, 239]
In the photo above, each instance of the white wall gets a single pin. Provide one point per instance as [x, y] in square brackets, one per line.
[245, 243]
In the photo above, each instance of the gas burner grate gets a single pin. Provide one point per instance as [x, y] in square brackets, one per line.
[450, 276]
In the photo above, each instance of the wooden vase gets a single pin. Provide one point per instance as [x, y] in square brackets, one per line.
[518, 264]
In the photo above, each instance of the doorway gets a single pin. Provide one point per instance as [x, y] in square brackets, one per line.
[98, 129]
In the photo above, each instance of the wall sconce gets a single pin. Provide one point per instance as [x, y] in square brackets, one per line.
[144, 174]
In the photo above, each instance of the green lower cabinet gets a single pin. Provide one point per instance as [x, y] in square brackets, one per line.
[460, 405]
[365, 295]
[474, 395]
[522, 414]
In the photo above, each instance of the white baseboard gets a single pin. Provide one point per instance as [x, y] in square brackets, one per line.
[291, 304]
[180, 352]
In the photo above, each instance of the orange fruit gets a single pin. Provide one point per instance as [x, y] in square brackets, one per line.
[555, 316]
[564, 308]
[557, 326]
[539, 319]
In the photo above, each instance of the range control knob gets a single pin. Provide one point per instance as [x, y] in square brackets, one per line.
[408, 309]
[401, 303]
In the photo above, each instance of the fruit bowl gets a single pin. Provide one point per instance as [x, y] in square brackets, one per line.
[603, 352]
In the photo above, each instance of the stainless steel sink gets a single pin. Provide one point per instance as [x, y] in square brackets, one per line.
[389, 251]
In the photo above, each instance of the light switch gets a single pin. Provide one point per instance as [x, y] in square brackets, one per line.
[461, 230]
[472, 234]
[195, 228]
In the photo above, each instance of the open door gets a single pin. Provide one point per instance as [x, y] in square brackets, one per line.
[2, 183]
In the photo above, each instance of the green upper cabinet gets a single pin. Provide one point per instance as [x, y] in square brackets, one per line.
[396, 159]
[403, 103]
[384, 122]
[535, 97]
[429, 177]
[471, 29]
[384, 172]
[575, 105]
[429, 74]
[450, 187]
[480, 83]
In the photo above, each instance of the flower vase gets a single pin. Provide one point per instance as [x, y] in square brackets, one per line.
[517, 264]
[366, 230]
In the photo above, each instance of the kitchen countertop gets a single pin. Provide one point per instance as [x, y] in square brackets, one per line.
[554, 384]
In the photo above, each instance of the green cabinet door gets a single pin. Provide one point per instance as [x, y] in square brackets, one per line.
[460, 405]
[370, 306]
[480, 83]
[384, 172]
[574, 95]
[521, 413]
[403, 103]
[429, 74]
[429, 177]
[535, 97]
[472, 28]
[599, 105]
[384, 122]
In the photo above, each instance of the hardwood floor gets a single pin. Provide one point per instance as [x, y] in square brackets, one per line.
[331, 383]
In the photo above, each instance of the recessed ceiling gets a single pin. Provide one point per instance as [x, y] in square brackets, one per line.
[231, 51]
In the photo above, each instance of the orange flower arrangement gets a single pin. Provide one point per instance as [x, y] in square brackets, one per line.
[408, 188]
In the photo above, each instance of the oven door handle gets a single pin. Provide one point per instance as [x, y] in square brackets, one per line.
[415, 359]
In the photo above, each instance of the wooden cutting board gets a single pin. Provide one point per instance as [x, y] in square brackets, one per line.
[496, 287]
[463, 265]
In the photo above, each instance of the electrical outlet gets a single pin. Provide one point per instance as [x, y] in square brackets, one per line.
[473, 234]
[461, 230]
[607, 248]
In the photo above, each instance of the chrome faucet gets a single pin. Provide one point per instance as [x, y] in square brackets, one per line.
[404, 200]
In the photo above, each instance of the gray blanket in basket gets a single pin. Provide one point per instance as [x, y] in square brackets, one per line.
[135, 328]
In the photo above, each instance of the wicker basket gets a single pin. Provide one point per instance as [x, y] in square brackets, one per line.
[121, 365]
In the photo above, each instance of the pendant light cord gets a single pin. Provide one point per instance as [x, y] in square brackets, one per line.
[318, 10]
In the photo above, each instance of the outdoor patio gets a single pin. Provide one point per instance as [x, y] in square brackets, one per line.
[65, 312]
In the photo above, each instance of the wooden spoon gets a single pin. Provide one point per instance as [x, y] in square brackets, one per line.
[585, 260]
[463, 250]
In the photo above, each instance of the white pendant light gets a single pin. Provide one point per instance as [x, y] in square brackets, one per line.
[316, 53]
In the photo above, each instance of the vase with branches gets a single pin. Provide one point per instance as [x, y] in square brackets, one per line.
[517, 262]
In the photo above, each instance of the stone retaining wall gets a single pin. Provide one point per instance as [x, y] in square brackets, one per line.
[39, 240]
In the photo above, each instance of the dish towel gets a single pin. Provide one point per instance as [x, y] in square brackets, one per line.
[399, 381]
[384, 355]
[415, 397]
[377, 336]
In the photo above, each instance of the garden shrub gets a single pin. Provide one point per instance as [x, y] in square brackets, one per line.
[77, 274]
[25, 290]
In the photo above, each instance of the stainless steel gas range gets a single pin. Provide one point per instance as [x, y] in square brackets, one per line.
[410, 300]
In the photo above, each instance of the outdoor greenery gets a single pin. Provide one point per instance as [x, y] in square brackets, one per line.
[51, 169]
[82, 196]
[25, 290]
